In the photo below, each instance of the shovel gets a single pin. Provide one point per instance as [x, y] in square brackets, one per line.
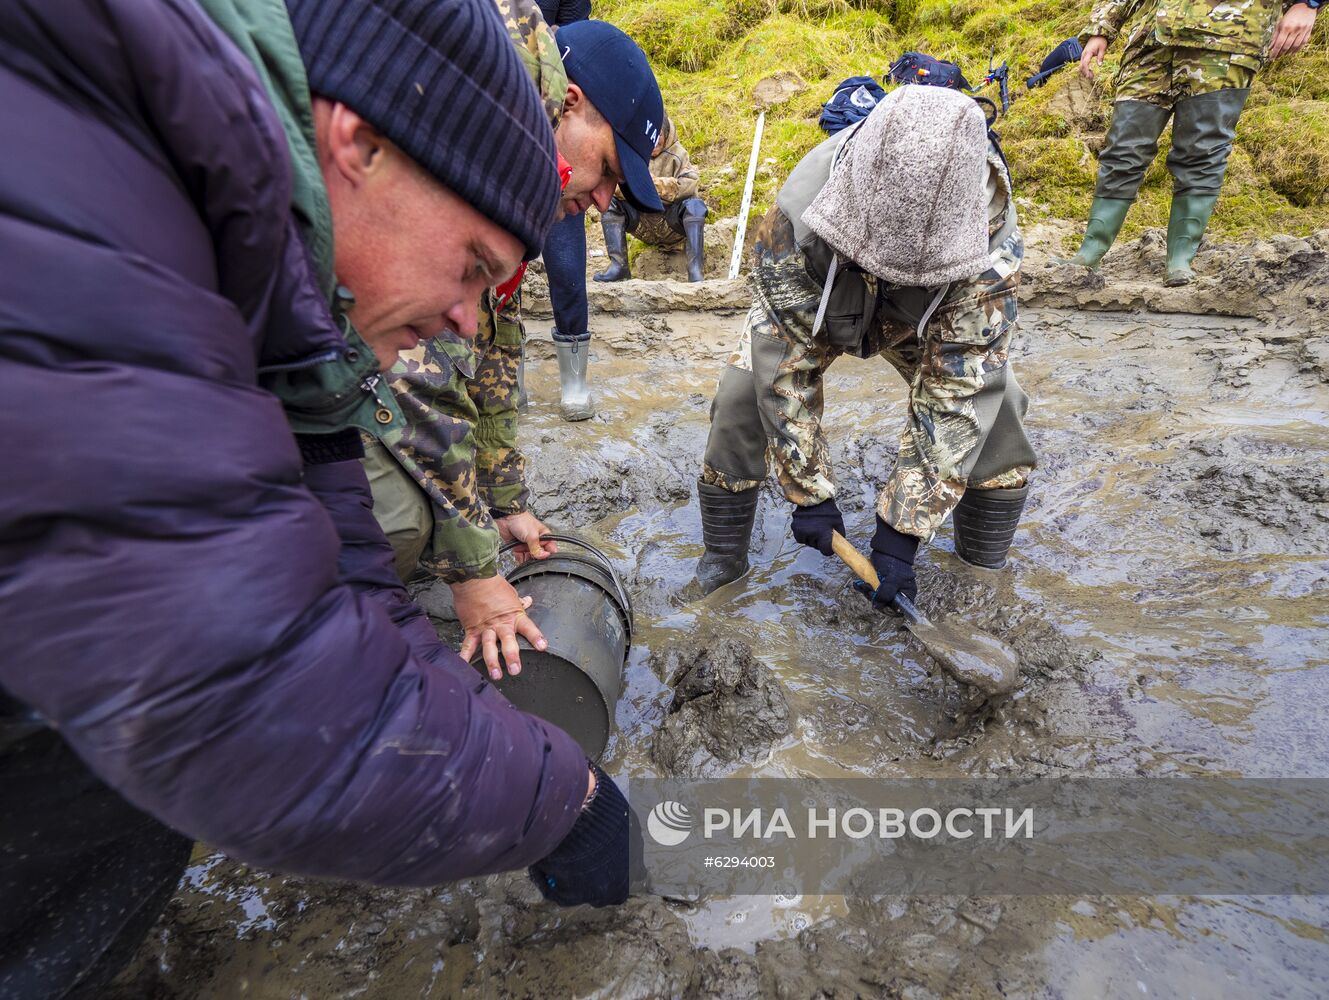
[967, 655]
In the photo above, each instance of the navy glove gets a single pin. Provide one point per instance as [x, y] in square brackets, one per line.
[591, 863]
[812, 526]
[893, 558]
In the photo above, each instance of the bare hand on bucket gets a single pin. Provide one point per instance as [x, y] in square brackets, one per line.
[526, 528]
[493, 615]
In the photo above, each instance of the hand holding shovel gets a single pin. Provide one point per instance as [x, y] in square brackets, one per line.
[967, 655]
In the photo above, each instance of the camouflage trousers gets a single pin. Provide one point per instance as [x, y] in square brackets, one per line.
[1202, 92]
[964, 429]
[1162, 75]
[658, 229]
[401, 508]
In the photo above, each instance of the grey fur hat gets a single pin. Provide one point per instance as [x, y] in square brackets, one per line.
[907, 199]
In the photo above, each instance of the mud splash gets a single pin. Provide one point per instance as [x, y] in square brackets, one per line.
[1166, 600]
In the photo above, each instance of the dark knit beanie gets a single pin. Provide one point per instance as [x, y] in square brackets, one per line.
[442, 80]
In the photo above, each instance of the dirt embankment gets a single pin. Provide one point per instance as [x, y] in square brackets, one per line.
[1284, 279]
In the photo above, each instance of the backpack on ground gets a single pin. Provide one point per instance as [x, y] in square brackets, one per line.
[915, 67]
[852, 101]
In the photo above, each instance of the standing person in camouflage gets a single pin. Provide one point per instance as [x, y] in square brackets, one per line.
[682, 221]
[896, 237]
[1192, 61]
[450, 487]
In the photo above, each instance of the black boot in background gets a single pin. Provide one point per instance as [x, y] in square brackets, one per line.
[615, 226]
[694, 237]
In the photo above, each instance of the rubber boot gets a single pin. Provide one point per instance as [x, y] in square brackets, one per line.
[1185, 226]
[695, 246]
[1105, 218]
[616, 246]
[574, 395]
[985, 523]
[1203, 130]
[726, 528]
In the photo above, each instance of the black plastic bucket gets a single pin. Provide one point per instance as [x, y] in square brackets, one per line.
[585, 613]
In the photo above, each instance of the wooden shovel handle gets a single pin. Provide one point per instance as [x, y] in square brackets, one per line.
[855, 560]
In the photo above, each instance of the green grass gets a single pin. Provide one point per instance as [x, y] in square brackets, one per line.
[709, 54]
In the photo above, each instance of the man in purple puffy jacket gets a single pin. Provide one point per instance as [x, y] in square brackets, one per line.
[203, 631]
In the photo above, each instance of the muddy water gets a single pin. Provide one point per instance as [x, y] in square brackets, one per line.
[1166, 598]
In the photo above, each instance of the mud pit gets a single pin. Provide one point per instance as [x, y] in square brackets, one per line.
[1166, 598]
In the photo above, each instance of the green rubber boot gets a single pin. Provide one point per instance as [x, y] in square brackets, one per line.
[1185, 226]
[1105, 218]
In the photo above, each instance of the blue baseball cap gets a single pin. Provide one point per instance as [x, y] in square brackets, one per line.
[615, 76]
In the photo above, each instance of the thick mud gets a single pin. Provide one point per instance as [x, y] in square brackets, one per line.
[1166, 600]
[727, 709]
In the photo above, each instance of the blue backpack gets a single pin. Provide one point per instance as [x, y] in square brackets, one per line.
[915, 67]
[852, 101]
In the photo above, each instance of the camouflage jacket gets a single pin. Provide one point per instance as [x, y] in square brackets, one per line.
[459, 398]
[1241, 27]
[672, 170]
[968, 325]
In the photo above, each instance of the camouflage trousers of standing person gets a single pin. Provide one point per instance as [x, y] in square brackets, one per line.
[1165, 74]
[965, 425]
[658, 229]
[1201, 91]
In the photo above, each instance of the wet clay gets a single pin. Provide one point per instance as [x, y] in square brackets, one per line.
[727, 708]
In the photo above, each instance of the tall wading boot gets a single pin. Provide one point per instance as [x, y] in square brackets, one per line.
[694, 237]
[1105, 218]
[1132, 144]
[616, 246]
[1202, 133]
[574, 394]
[1185, 226]
[726, 528]
[985, 523]
[695, 244]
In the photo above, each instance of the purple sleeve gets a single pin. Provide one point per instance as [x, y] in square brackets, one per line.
[170, 591]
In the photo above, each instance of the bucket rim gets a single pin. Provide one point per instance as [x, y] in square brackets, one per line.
[621, 592]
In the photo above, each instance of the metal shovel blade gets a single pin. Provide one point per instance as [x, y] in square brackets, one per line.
[968, 655]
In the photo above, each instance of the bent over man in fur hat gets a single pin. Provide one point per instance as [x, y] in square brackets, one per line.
[897, 237]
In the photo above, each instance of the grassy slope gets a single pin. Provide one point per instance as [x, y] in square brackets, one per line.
[710, 53]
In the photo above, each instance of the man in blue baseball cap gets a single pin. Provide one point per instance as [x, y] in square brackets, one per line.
[608, 69]
[451, 487]
[614, 106]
